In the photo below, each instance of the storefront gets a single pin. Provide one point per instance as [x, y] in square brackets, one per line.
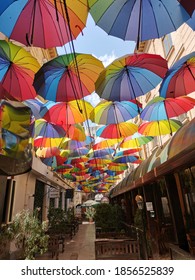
[166, 180]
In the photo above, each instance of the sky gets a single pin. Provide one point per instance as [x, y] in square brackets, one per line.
[97, 42]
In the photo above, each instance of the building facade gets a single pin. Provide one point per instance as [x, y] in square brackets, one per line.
[166, 178]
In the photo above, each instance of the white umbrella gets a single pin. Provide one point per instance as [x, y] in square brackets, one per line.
[89, 203]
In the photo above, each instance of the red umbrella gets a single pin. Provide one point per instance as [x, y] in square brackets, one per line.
[65, 113]
[43, 23]
[68, 77]
[180, 78]
[131, 76]
[117, 131]
[160, 108]
[17, 69]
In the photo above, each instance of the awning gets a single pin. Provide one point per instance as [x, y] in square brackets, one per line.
[184, 139]
[176, 152]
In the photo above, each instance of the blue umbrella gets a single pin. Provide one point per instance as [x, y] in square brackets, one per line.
[191, 21]
[138, 20]
[131, 76]
[179, 79]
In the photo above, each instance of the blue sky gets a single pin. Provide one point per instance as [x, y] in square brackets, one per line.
[97, 42]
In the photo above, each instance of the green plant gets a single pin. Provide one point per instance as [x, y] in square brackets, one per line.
[28, 233]
[56, 218]
[109, 216]
[90, 212]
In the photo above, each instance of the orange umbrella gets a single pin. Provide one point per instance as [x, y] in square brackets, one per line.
[66, 113]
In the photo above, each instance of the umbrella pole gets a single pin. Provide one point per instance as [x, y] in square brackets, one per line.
[137, 146]
[132, 89]
[190, 71]
[171, 132]
[139, 25]
[159, 134]
[32, 26]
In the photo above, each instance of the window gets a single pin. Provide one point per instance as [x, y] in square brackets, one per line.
[167, 44]
[9, 201]
[187, 177]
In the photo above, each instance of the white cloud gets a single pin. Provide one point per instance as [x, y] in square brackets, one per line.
[107, 59]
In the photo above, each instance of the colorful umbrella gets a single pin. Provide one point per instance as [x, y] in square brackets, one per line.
[49, 142]
[75, 132]
[160, 108]
[68, 77]
[43, 23]
[127, 159]
[158, 128]
[74, 144]
[101, 153]
[65, 113]
[138, 20]
[17, 69]
[64, 168]
[180, 78]
[114, 166]
[45, 129]
[135, 141]
[35, 106]
[117, 131]
[131, 76]
[99, 161]
[127, 152]
[53, 161]
[47, 152]
[108, 143]
[79, 152]
[108, 112]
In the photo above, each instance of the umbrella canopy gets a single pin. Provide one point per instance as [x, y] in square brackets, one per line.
[135, 141]
[127, 152]
[17, 69]
[108, 112]
[180, 78]
[45, 129]
[53, 161]
[35, 106]
[138, 20]
[108, 143]
[65, 113]
[161, 109]
[43, 23]
[75, 132]
[127, 159]
[47, 152]
[48, 142]
[188, 5]
[158, 128]
[131, 76]
[120, 130]
[114, 166]
[79, 152]
[101, 153]
[68, 77]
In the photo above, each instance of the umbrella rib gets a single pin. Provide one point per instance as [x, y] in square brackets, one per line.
[139, 25]
[132, 88]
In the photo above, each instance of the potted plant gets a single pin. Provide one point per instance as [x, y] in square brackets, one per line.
[28, 234]
[90, 213]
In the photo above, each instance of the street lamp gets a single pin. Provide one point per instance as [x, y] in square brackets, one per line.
[140, 204]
